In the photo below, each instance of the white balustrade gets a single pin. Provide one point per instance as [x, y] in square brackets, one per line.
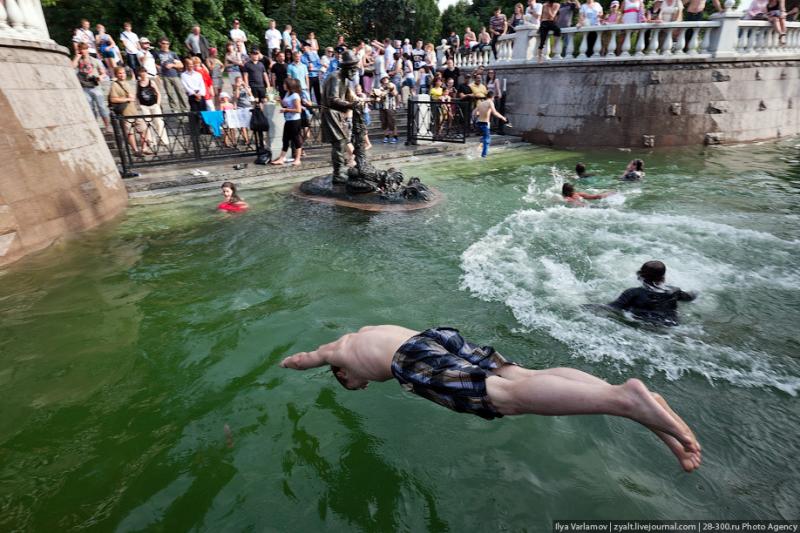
[725, 35]
[23, 19]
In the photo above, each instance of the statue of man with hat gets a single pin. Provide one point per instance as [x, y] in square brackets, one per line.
[337, 99]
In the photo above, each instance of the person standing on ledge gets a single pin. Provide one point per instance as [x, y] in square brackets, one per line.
[438, 364]
[654, 301]
[337, 99]
[484, 111]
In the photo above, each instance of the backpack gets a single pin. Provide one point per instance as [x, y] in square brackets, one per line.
[258, 122]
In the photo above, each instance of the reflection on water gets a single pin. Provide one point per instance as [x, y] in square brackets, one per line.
[126, 354]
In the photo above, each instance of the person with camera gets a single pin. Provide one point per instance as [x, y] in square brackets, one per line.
[90, 73]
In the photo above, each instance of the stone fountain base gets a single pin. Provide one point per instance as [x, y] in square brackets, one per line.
[405, 198]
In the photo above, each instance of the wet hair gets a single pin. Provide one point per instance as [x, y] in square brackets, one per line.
[638, 164]
[234, 197]
[652, 272]
[567, 190]
[334, 370]
[580, 168]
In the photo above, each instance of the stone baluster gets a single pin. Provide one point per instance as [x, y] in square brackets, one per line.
[486, 57]
[23, 19]
[681, 43]
[706, 40]
[640, 42]
[752, 40]
[652, 47]
[570, 54]
[3, 18]
[626, 44]
[582, 47]
[666, 49]
[558, 47]
[612, 44]
[598, 45]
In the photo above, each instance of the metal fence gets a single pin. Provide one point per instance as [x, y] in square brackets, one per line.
[152, 140]
[439, 121]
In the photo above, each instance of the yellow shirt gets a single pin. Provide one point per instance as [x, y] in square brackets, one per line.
[478, 91]
[436, 93]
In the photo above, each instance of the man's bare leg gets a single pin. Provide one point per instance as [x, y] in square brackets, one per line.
[549, 394]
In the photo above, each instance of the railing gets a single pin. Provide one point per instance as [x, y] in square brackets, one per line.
[438, 121]
[23, 19]
[153, 140]
[726, 35]
[759, 38]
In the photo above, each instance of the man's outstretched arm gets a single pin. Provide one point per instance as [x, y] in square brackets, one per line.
[304, 360]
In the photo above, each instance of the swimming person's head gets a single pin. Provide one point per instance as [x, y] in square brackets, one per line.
[347, 381]
[636, 164]
[567, 190]
[580, 169]
[652, 272]
[229, 192]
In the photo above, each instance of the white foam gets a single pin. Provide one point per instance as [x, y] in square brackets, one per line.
[545, 263]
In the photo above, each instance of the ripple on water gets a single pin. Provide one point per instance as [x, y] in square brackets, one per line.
[544, 264]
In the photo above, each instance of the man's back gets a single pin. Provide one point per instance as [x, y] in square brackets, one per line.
[654, 303]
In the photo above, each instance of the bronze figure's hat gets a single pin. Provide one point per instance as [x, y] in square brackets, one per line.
[348, 59]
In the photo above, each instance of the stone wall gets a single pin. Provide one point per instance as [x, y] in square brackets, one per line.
[57, 176]
[635, 104]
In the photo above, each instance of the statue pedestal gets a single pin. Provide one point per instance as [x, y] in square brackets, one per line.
[321, 189]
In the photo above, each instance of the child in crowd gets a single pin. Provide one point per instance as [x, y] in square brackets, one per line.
[385, 97]
[233, 202]
[225, 104]
[243, 100]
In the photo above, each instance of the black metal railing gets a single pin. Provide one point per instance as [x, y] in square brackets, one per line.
[438, 121]
[153, 140]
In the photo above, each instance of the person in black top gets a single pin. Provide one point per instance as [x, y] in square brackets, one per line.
[255, 75]
[278, 73]
[450, 71]
[654, 301]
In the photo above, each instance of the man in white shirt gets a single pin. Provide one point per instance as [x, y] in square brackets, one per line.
[238, 36]
[195, 87]
[273, 38]
[130, 42]
[84, 35]
[147, 59]
[590, 14]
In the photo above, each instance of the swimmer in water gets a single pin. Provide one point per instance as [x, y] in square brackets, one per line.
[574, 197]
[441, 366]
[232, 200]
[654, 301]
[580, 171]
[634, 171]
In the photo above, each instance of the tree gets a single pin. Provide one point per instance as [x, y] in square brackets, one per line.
[457, 17]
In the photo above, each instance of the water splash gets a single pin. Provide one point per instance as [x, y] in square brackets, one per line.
[544, 264]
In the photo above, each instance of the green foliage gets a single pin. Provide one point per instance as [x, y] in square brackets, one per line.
[459, 16]
[355, 19]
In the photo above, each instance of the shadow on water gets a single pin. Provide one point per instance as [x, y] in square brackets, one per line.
[361, 488]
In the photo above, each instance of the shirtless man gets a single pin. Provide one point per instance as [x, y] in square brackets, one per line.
[574, 197]
[484, 110]
[438, 364]
[695, 8]
[548, 24]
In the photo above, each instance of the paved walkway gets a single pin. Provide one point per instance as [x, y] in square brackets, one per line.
[159, 183]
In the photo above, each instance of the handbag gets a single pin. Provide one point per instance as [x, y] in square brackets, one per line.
[258, 121]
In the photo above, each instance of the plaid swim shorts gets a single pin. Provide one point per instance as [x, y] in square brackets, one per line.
[438, 364]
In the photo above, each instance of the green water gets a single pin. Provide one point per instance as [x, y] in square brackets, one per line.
[124, 354]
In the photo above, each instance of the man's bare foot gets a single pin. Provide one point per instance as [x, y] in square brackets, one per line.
[689, 461]
[276, 162]
[296, 163]
[648, 412]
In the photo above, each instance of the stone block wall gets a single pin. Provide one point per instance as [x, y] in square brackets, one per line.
[57, 176]
[640, 103]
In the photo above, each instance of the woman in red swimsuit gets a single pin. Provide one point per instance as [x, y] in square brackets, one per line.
[232, 201]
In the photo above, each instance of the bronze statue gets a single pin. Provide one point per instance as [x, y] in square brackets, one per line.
[386, 186]
[337, 99]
